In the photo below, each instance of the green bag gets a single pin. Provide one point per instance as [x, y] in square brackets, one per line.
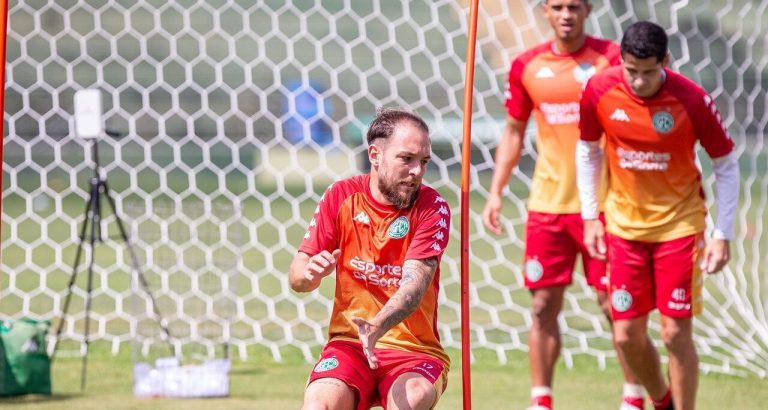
[25, 367]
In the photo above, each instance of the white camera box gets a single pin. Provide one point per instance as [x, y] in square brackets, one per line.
[170, 379]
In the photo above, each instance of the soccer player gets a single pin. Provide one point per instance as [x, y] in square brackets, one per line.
[652, 119]
[546, 81]
[383, 233]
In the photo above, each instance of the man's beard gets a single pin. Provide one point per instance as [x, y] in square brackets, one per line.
[397, 198]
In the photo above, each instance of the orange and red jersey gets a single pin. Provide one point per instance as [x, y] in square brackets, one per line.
[655, 191]
[549, 84]
[375, 240]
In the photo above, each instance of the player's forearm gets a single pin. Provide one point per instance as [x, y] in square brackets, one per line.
[589, 161]
[297, 274]
[727, 182]
[417, 277]
[508, 154]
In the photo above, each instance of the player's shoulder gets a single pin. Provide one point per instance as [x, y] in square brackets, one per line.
[605, 80]
[531, 53]
[603, 45]
[346, 187]
[430, 197]
[604, 49]
[682, 87]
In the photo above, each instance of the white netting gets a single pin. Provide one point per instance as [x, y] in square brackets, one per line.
[232, 118]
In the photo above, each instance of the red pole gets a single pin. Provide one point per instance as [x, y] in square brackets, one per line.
[466, 156]
[3, 36]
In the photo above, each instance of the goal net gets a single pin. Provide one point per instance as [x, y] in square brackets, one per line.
[227, 120]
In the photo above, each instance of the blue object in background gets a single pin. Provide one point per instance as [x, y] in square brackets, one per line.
[310, 108]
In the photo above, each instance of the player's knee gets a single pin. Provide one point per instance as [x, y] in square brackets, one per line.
[544, 309]
[627, 337]
[675, 337]
[411, 391]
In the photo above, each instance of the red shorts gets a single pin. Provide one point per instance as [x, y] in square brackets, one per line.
[345, 360]
[552, 242]
[665, 275]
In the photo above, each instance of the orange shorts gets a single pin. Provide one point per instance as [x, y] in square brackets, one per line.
[644, 276]
[552, 242]
[345, 360]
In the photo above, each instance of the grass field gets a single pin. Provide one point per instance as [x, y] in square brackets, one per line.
[260, 383]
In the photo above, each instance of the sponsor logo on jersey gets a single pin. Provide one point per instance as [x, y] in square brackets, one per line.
[399, 228]
[643, 160]
[534, 270]
[326, 365]
[363, 218]
[385, 276]
[621, 300]
[663, 122]
[560, 113]
[584, 72]
[619, 115]
[545, 72]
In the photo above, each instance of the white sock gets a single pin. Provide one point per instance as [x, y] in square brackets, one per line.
[537, 391]
[633, 390]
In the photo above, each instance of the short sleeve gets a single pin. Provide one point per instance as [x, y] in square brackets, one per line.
[322, 231]
[433, 227]
[518, 102]
[589, 124]
[711, 130]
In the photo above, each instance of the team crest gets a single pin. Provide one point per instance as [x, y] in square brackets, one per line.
[326, 364]
[663, 122]
[621, 300]
[399, 228]
[583, 72]
[533, 270]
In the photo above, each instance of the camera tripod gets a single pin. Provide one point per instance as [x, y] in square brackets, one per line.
[91, 232]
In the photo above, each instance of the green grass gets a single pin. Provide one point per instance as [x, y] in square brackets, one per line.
[260, 383]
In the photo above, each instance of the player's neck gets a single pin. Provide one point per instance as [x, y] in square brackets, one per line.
[560, 46]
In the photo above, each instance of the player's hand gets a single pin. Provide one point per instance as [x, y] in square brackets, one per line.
[594, 238]
[321, 265]
[491, 214]
[716, 256]
[368, 334]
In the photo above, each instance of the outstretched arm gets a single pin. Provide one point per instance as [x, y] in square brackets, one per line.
[417, 277]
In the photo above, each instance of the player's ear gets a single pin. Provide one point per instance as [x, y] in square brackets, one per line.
[374, 153]
[665, 61]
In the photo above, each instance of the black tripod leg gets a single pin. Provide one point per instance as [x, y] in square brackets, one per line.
[137, 268]
[73, 277]
[95, 234]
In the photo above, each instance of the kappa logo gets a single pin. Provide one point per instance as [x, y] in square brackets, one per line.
[619, 115]
[545, 72]
[363, 218]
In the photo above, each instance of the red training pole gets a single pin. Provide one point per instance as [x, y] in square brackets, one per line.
[466, 156]
[3, 37]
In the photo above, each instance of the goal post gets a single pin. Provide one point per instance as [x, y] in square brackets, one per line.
[231, 118]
